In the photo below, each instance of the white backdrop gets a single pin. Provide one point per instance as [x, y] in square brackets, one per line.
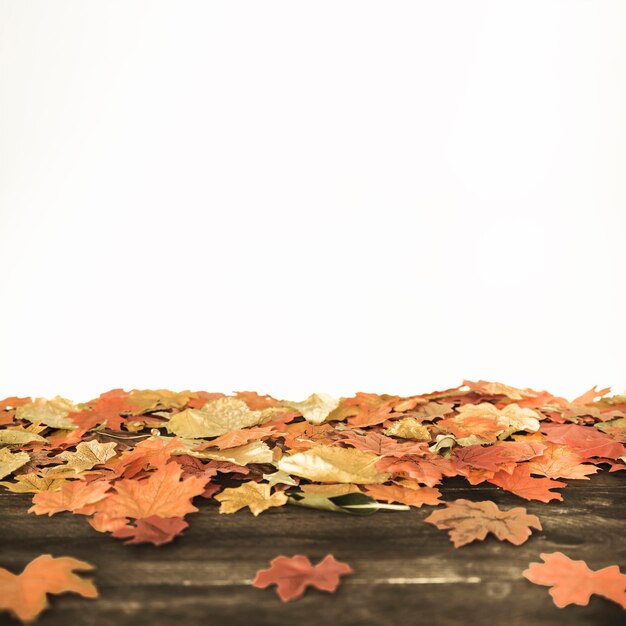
[292, 197]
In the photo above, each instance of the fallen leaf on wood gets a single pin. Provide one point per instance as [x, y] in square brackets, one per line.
[292, 575]
[71, 496]
[470, 521]
[24, 595]
[522, 484]
[256, 496]
[572, 582]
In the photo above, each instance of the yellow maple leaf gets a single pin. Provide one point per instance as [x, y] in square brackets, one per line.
[256, 496]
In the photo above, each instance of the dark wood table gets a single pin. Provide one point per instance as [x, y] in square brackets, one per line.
[406, 571]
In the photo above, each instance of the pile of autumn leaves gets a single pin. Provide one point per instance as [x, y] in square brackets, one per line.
[132, 463]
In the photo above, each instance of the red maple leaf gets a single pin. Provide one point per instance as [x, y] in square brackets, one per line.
[154, 529]
[522, 484]
[572, 582]
[292, 575]
[587, 441]
[428, 471]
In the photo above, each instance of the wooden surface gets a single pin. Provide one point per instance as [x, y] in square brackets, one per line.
[406, 571]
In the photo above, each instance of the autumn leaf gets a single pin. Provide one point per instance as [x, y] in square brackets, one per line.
[15, 436]
[584, 440]
[10, 461]
[502, 456]
[428, 470]
[316, 408]
[405, 493]
[292, 575]
[33, 483]
[87, 455]
[147, 400]
[253, 452]
[470, 521]
[486, 388]
[52, 413]
[560, 461]
[242, 436]
[408, 428]
[255, 496]
[382, 445]
[162, 494]
[24, 595]
[154, 529]
[332, 464]
[72, 496]
[215, 418]
[572, 582]
[522, 484]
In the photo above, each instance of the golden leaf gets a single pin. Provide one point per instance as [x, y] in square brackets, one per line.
[33, 483]
[13, 436]
[215, 418]
[87, 455]
[148, 400]
[9, 462]
[256, 496]
[328, 464]
[52, 413]
[408, 428]
[253, 452]
[316, 408]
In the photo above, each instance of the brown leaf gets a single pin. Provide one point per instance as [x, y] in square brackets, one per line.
[471, 521]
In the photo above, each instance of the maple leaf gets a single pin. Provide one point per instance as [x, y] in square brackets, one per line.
[9, 462]
[253, 452]
[256, 496]
[559, 461]
[591, 395]
[471, 521]
[522, 484]
[52, 413]
[303, 435]
[25, 594]
[587, 441]
[242, 436]
[486, 388]
[428, 470]
[88, 454]
[19, 436]
[370, 408]
[334, 465]
[382, 445]
[501, 456]
[409, 428]
[292, 575]
[162, 494]
[215, 418]
[154, 529]
[33, 483]
[71, 496]
[405, 492]
[572, 582]
[255, 401]
[147, 400]
[153, 452]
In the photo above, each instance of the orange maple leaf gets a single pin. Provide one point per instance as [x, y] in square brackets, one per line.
[25, 594]
[154, 529]
[572, 582]
[293, 575]
[72, 496]
[522, 484]
[412, 495]
[162, 494]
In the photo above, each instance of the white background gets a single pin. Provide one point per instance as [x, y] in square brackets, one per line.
[292, 196]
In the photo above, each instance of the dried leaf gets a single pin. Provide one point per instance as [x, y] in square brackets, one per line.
[72, 496]
[33, 483]
[316, 408]
[405, 493]
[292, 575]
[256, 496]
[24, 595]
[215, 418]
[49, 412]
[254, 452]
[14, 436]
[471, 521]
[10, 461]
[572, 582]
[408, 428]
[332, 464]
[522, 484]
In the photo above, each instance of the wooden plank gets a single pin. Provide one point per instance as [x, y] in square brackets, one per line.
[406, 571]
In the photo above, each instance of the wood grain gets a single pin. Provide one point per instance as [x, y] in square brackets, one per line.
[406, 571]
